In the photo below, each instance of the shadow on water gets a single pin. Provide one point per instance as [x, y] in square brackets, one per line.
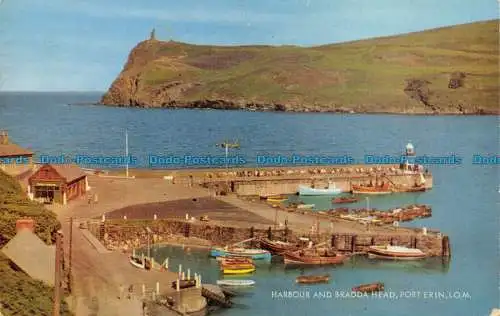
[428, 265]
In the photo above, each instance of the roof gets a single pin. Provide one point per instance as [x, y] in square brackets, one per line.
[13, 150]
[32, 256]
[70, 172]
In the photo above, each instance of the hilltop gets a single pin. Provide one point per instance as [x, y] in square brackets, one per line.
[450, 70]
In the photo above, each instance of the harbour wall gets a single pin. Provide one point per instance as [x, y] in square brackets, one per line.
[268, 187]
[129, 234]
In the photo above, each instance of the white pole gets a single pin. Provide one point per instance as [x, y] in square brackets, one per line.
[144, 290]
[183, 275]
[189, 274]
[180, 270]
[195, 279]
[177, 286]
[199, 280]
[126, 154]
[158, 288]
[166, 263]
[368, 204]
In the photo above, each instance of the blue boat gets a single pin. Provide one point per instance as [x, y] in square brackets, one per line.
[331, 190]
[255, 254]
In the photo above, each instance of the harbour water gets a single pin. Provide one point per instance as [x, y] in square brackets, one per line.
[464, 198]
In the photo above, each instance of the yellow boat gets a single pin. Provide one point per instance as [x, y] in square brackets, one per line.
[278, 200]
[237, 271]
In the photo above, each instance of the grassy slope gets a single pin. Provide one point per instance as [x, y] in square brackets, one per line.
[367, 75]
[19, 294]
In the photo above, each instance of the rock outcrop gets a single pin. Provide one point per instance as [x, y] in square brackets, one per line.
[430, 72]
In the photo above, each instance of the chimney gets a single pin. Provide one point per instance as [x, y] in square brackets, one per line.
[4, 137]
[25, 223]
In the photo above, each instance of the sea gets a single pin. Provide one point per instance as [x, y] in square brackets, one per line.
[464, 198]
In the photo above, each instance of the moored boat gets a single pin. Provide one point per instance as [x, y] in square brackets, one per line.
[331, 190]
[230, 270]
[344, 200]
[237, 266]
[278, 247]
[140, 262]
[256, 254]
[236, 282]
[369, 288]
[276, 199]
[395, 252]
[229, 260]
[302, 258]
[372, 190]
[313, 279]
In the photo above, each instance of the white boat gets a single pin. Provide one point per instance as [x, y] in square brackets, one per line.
[305, 206]
[236, 282]
[331, 190]
[395, 252]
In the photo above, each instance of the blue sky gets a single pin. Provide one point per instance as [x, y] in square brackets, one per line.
[81, 45]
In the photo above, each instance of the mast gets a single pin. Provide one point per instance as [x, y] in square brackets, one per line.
[126, 154]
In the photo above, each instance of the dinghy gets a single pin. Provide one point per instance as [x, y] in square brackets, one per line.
[331, 190]
[236, 282]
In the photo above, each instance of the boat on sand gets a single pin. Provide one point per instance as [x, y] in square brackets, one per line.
[312, 279]
[395, 253]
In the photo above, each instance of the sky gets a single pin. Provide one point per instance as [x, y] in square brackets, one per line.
[82, 45]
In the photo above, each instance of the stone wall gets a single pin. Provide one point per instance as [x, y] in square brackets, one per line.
[126, 235]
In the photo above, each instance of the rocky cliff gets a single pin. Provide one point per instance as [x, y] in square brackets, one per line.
[452, 70]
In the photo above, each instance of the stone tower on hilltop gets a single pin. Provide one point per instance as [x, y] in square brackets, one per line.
[152, 35]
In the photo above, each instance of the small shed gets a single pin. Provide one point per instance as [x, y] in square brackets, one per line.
[58, 183]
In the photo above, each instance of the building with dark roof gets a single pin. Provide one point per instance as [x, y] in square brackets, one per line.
[58, 183]
[13, 158]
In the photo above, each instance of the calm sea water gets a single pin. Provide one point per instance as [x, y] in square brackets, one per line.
[464, 198]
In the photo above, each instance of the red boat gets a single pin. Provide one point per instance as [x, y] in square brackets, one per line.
[370, 189]
[302, 258]
[369, 288]
[278, 247]
[344, 199]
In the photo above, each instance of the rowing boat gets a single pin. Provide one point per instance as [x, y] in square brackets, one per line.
[236, 282]
[301, 258]
[313, 279]
[395, 253]
[184, 284]
[278, 247]
[369, 288]
[331, 190]
[256, 254]
[237, 271]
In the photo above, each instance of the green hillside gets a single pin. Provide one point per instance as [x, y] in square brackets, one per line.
[20, 294]
[446, 70]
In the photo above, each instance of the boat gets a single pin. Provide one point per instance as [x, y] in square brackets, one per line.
[140, 262]
[395, 252]
[229, 270]
[331, 190]
[301, 258]
[256, 254]
[237, 266]
[345, 199]
[236, 282]
[184, 284]
[305, 206]
[312, 279]
[416, 189]
[230, 260]
[278, 247]
[276, 199]
[372, 190]
[369, 288]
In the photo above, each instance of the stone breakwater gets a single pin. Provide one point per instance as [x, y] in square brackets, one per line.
[126, 235]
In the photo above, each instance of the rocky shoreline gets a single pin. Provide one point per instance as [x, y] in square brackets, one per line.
[262, 107]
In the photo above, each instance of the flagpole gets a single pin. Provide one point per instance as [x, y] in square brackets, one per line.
[126, 154]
